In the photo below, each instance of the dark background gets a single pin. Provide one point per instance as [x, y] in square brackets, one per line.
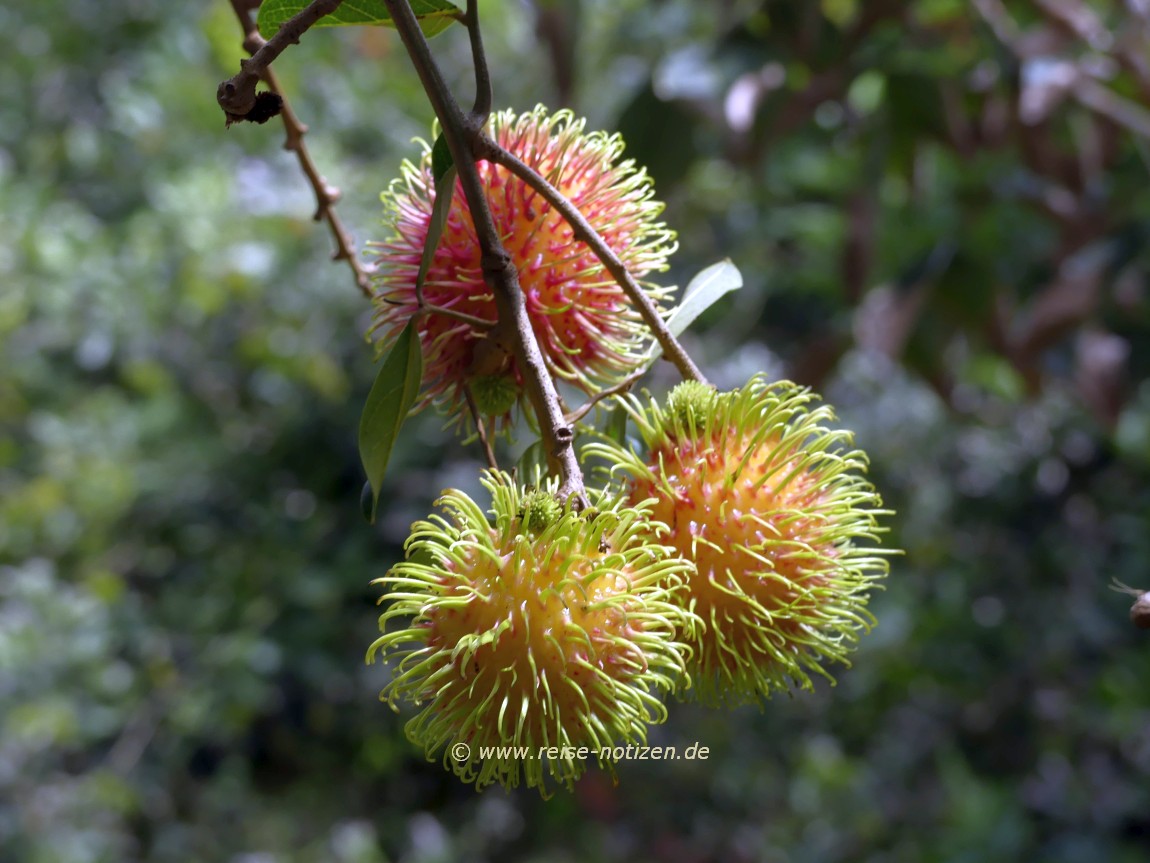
[940, 210]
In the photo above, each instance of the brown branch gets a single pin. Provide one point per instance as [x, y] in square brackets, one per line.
[1078, 19]
[555, 29]
[237, 95]
[326, 196]
[1106, 103]
[620, 387]
[480, 431]
[462, 134]
[483, 95]
[432, 309]
[1088, 92]
[998, 19]
[583, 232]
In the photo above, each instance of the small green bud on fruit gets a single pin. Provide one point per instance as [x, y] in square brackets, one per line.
[494, 395]
[538, 511]
[690, 403]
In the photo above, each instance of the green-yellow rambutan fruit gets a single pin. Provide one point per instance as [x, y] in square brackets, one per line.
[771, 505]
[541, 627]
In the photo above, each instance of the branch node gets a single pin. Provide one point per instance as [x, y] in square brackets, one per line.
[496, 262]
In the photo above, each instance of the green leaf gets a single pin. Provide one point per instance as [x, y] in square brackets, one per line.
[434, 16]
[441, 160]
[532, 464]
[615, 426]
[702, 293]
[367, 502]
[392, 396]
[444, 172]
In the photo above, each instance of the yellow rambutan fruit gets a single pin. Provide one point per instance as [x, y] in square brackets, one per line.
[771, 506]
[543, 627]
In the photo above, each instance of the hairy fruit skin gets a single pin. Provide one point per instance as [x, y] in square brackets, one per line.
[495, 395]
[770, 505]
[561, 636]
[587, 330]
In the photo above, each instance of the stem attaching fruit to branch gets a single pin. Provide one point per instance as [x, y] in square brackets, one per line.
[513, 334]
[583, 231]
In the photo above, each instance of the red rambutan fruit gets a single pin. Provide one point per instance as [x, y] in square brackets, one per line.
[587, 330]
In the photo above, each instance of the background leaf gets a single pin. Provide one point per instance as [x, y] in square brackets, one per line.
[434, 16]
[179, 364]
[392, 396]
[532, 463]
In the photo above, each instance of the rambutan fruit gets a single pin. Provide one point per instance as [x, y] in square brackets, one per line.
[770, 504]
[543, 627]
[587, 330]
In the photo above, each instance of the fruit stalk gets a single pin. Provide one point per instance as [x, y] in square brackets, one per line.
[513, 333]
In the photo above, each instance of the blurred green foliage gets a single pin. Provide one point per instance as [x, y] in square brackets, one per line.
[939, 211]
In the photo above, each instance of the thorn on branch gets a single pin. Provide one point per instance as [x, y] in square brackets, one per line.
[238, 97]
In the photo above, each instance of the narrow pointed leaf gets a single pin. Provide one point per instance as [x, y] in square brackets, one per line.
[703, 292]
[444, 172]
[532, 463]
[392, 396]
[367, 502]
[434, 16]
[615, 426]
[441, 160]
